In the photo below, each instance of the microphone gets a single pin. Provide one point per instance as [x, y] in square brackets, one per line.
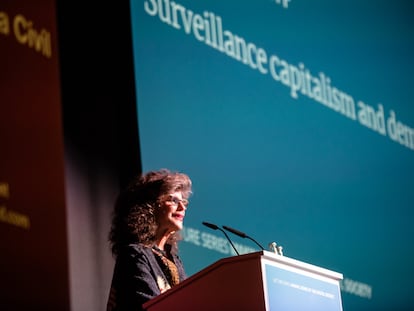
[215, 227]
[242, 235]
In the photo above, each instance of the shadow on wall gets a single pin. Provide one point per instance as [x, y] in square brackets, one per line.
[100, 137]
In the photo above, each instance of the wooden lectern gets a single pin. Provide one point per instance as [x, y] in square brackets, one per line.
[255, 282]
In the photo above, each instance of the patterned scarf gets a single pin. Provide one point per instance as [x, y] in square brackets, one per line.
[168, 267]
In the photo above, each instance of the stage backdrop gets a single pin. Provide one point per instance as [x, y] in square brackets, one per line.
[295, 121]
[33, 237]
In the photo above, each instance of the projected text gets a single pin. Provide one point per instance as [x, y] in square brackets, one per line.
[26, 34]
[208, 28]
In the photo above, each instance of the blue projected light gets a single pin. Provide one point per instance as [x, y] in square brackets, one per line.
[295, 122]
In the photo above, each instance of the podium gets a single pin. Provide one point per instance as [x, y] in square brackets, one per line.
[254, 282]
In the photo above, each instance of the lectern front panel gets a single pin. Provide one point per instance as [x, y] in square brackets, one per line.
[291, 289]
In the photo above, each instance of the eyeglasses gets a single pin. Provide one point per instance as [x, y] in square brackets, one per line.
[177, 201]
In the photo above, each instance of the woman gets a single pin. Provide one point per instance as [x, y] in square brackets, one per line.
[144, 237]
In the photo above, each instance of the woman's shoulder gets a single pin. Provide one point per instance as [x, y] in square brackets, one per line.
[134, 250]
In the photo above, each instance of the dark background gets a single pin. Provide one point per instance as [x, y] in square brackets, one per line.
[68, 142]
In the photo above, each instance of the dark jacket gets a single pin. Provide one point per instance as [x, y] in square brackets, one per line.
[138, 277]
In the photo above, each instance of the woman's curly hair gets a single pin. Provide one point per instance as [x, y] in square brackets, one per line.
[133, 219]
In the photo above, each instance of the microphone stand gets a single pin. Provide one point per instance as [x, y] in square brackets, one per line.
[215, 227]
[243, 235]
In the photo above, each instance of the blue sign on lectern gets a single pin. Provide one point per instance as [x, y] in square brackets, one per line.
[290, 288]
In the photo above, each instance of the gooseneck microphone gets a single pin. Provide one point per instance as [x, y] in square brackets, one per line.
[215, 227]
[242, 235]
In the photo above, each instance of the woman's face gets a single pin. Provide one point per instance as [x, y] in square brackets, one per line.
[172, 212]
